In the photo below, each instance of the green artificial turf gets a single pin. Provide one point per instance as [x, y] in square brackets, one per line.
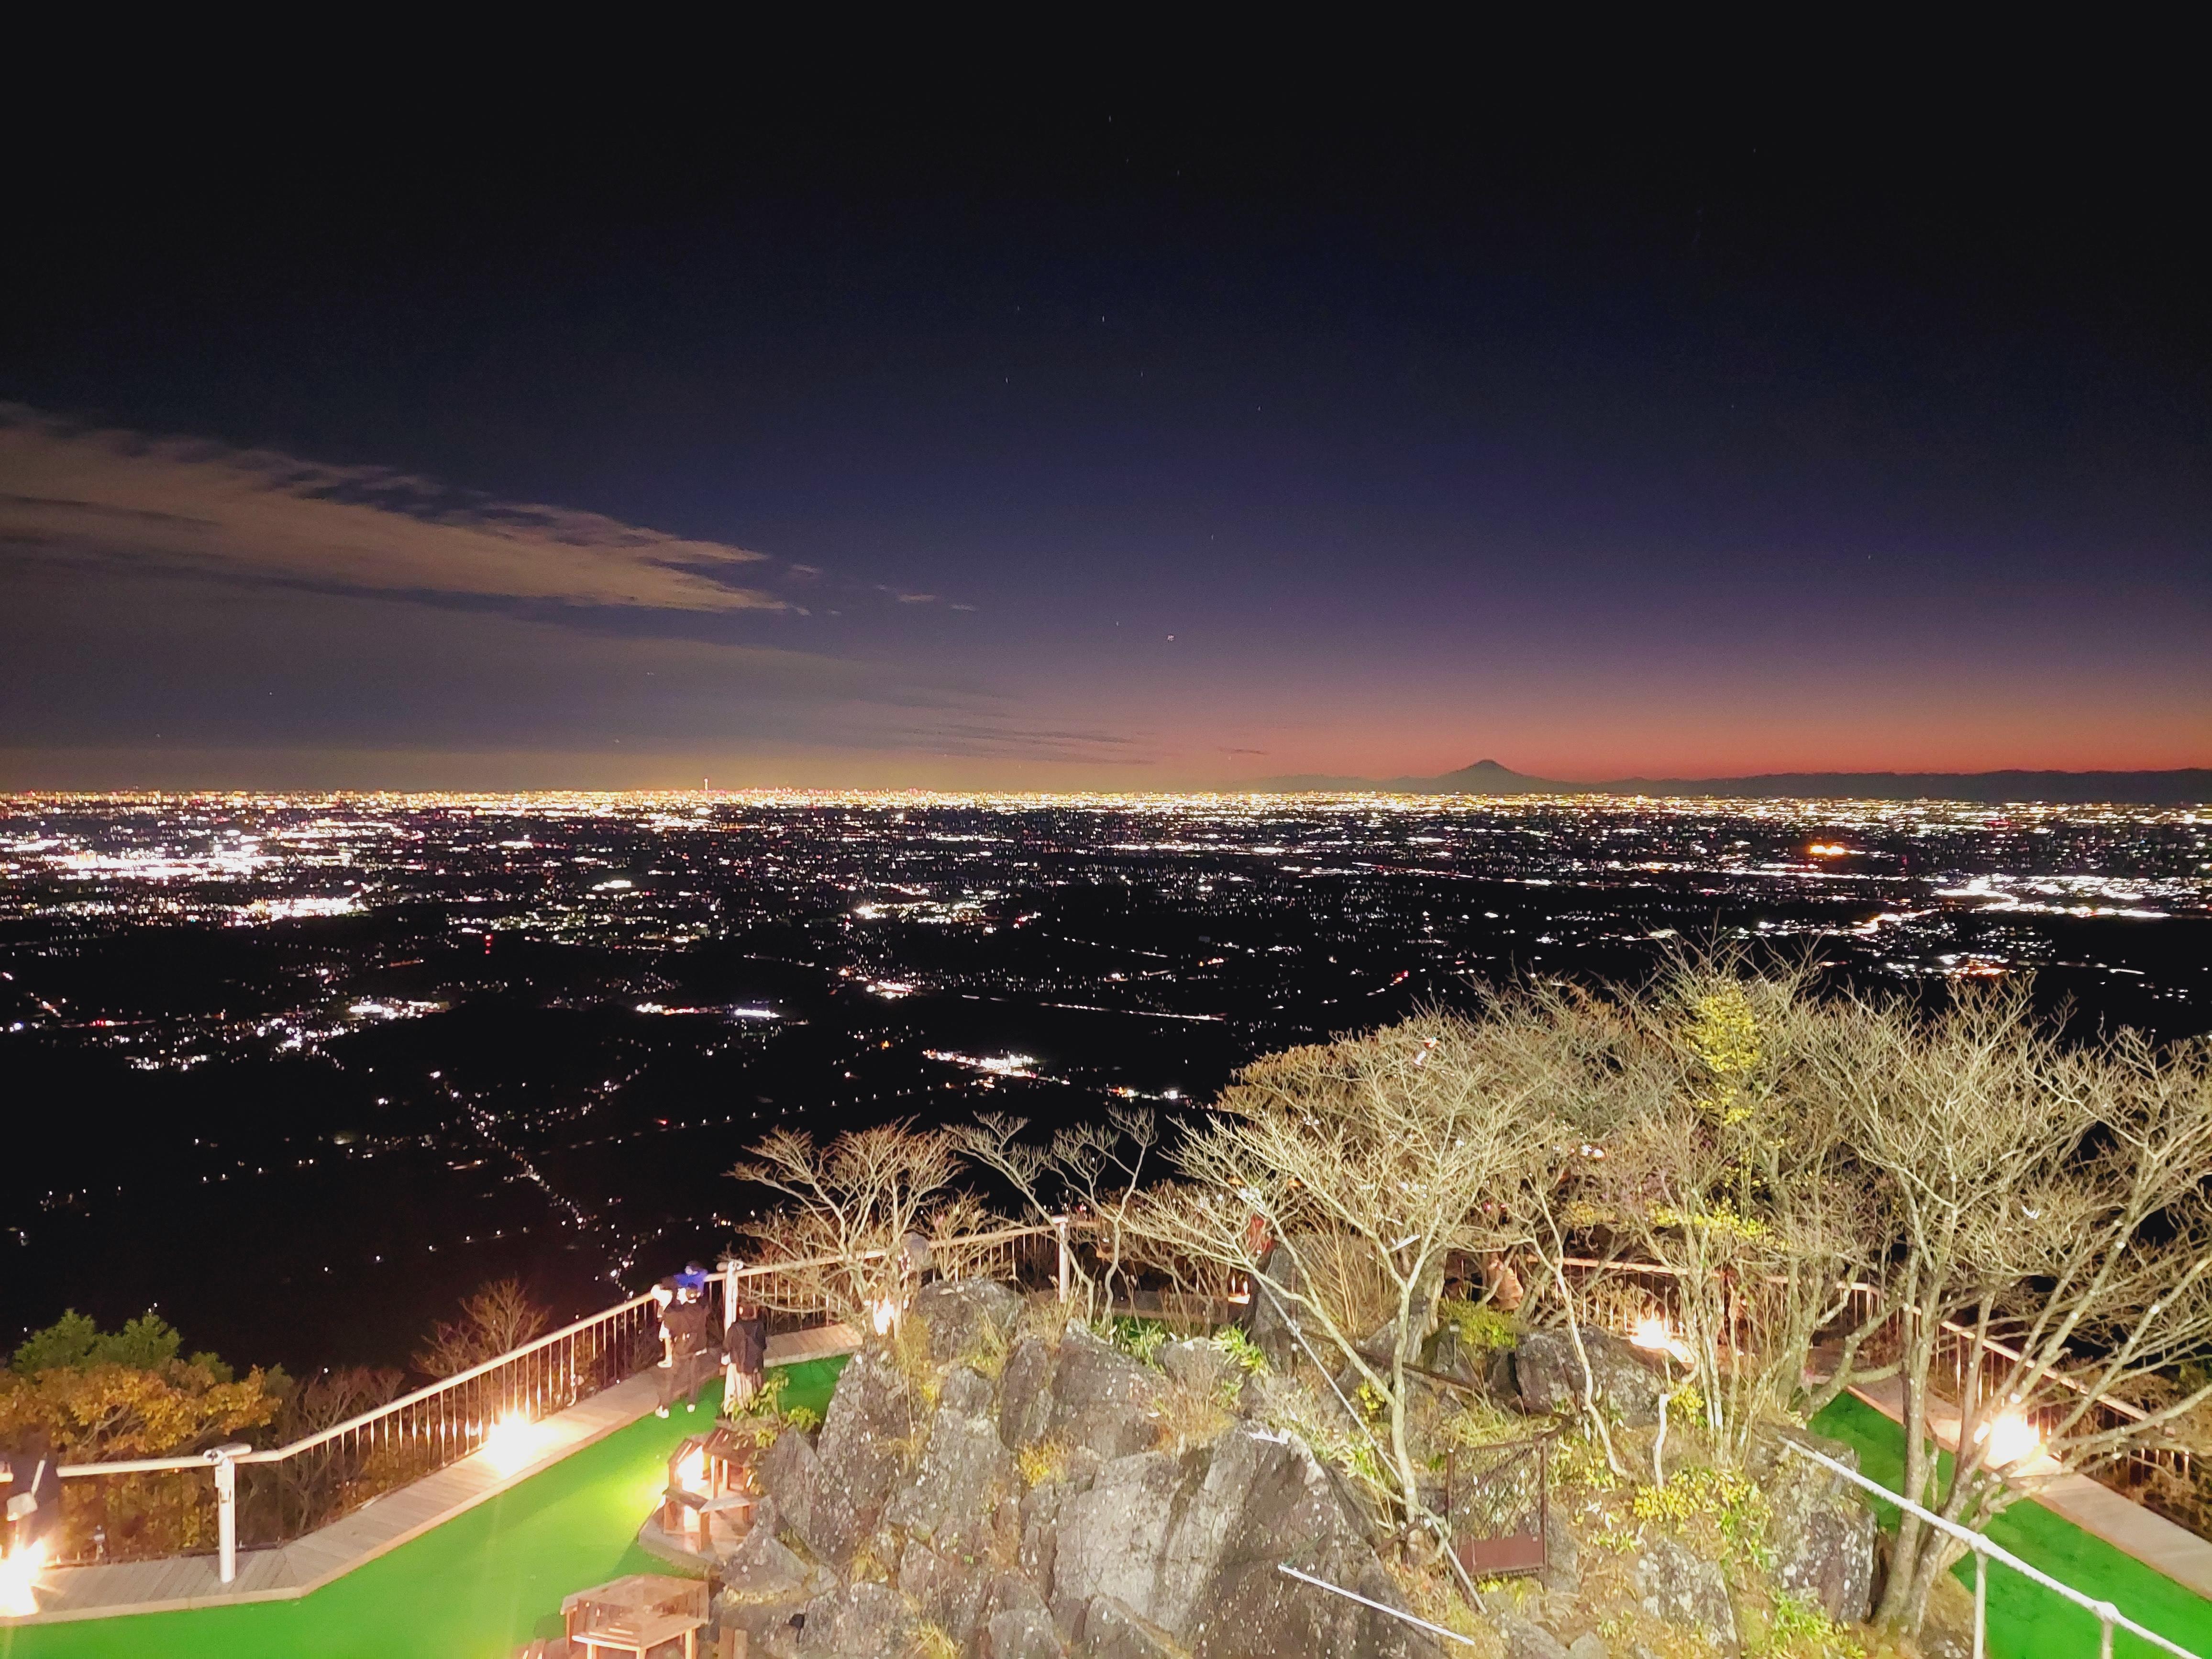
[476, 1587]
[489, 1581]
[2027, 1621]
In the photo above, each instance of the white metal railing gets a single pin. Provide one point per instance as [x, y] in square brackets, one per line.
[1960, 1350]
[313, 1478]
[326, 1474]
[2108, 1617]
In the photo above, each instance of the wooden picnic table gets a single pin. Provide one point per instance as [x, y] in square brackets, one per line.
[645, 1616]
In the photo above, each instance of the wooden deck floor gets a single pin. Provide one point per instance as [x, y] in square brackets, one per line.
[379, 1527]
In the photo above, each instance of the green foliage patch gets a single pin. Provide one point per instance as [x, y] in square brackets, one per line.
[75, 1342]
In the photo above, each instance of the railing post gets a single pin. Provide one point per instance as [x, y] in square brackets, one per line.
[1981, 1601]
[1059, 1227]
[225, 1459]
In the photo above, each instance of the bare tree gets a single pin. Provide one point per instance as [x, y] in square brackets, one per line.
[1397, 1149]
[1090, 1173]
[1591, 1073]
[839, 1242]
[1741, 1180]
[2053, 1246]
[308, 1488]
[497, 1317]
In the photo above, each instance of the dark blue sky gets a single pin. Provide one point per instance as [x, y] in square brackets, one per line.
[1130, 439]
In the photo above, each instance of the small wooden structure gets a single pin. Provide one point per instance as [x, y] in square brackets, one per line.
[644, 1616]
[710, 1484]
[1497, 1499]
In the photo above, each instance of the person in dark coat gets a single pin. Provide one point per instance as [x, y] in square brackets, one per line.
[684, 1347]
[744, 1356]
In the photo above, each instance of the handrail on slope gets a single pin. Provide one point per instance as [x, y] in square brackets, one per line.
[2108, 1616]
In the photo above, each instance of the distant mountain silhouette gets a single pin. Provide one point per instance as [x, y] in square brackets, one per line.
[2179, 787]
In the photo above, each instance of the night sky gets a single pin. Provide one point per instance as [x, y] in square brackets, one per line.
[1125, 438]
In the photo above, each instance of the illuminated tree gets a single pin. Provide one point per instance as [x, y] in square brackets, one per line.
[80, 1389]
[1090, 1173]
[839, 1240]
[1366, 1161]
[1736, 1175]
[2051, 1231]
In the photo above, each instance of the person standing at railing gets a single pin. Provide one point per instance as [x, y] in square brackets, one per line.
[683, 1344]
[744, 1356]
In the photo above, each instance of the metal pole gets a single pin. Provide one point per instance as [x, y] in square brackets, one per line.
[225, 1459]
[1981, 1601]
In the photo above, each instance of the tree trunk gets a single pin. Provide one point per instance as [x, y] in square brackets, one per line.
[1901, 1608]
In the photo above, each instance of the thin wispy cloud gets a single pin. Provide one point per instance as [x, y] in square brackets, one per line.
[1009, 740]
[115, 497]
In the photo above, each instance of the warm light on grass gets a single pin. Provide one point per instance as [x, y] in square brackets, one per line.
[2010, 1440]
[19, 1580]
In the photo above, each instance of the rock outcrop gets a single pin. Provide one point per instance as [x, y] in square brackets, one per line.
[966, 1317]
[1683, 1588]
[951, 1498]
[1199, 1366]
[1549, 1376]
[860, 1622]
[1525, 1640]
[1121, 1551]
[1025, 1392]
[1034, 1498]
[1102, 1399]
[859, 1459]
[765, 1585]
[1823, 1537]
[1191, 1546]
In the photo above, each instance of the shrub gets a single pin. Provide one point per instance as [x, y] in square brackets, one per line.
[1731, 1505]
[1479, 1326]
[1042, 1463]
[1140, 1339]
[1248, 1354]
[104, 1395]
[1184, 1417]
[1801, 1630]
[74, 1342]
